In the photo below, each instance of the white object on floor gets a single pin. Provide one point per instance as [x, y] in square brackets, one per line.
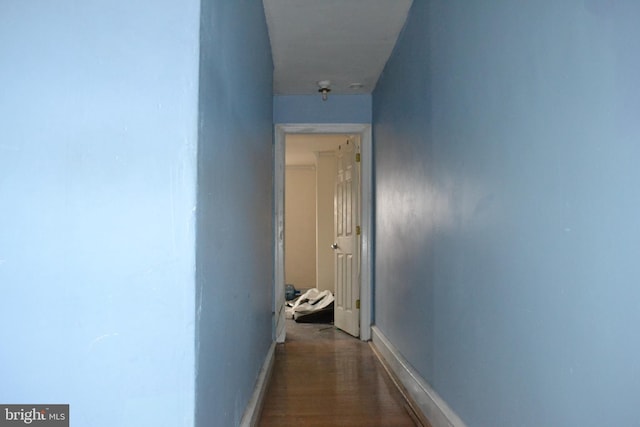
[309, 302]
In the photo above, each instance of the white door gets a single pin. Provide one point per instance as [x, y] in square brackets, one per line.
[346, 244]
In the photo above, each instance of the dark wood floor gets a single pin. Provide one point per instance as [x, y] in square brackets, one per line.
[324, 377]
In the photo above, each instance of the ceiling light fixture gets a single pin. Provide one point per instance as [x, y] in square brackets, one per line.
[324, 88]
[356, 86]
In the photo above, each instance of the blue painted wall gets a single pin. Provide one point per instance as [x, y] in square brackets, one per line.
[506, 143]
[312, 109]
[98, 119]
[235, 207]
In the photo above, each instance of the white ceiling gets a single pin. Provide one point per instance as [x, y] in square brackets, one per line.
[344, 41]
[300, 149]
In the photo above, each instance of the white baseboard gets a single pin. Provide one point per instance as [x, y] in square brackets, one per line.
[254, 407]
[422, 397]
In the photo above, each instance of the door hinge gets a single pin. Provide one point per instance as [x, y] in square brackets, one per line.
[358, 304]
[357, 230]
[357, 157]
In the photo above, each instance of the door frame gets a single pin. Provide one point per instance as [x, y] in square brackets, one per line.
[366, 212]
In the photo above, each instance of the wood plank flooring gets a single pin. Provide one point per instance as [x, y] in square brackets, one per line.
[324, 377]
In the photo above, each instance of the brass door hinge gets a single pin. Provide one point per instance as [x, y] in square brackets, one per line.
[357, 157]
[358, 304]
[357, 230]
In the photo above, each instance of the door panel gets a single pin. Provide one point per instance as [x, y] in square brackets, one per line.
[347, 257]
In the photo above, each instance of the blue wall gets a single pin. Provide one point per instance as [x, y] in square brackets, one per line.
[507, 144]
[234, 225]
[98, 119]
[312, 109]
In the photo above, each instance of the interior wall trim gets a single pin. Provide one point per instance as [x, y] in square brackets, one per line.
[301, 167]
[418, 392]
[326, 153]
[251, 414]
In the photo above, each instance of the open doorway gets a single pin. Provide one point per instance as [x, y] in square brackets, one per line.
[308, 171]
[311, 166]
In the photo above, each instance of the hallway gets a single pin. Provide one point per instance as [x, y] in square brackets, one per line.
[324, 377]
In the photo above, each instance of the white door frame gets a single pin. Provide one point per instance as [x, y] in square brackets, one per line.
[366, 297]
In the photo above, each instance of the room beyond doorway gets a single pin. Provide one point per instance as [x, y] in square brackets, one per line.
[310, 169]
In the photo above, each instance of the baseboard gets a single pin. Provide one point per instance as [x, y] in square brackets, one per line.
[421, 396]
[254, 407]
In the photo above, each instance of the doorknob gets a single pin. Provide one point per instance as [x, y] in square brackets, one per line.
[334, 246]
